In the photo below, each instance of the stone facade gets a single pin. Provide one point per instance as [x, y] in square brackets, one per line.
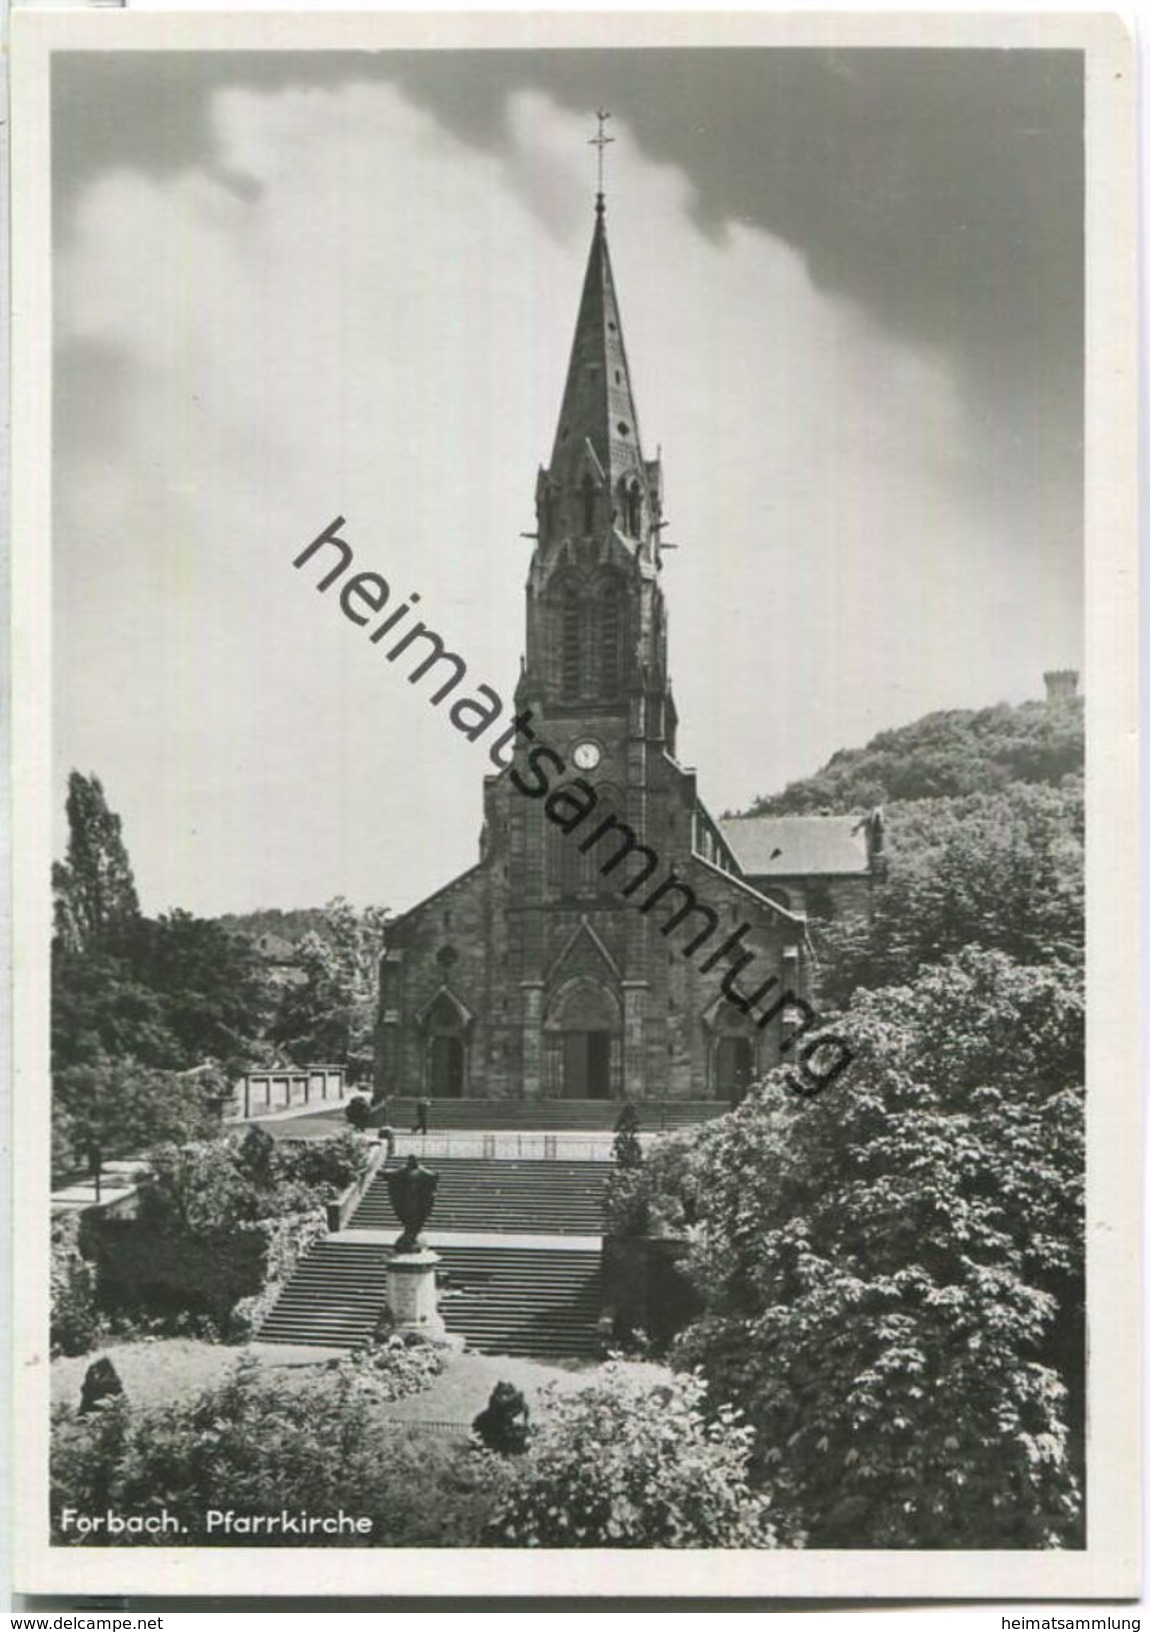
[608, 942]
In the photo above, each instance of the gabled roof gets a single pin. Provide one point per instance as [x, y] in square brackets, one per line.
[790, 846]
[594, 946]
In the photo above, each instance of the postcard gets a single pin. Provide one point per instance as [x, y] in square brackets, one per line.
[574, 723]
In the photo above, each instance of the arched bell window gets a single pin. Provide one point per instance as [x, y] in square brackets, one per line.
[610, 634]
[633, 509]
[571, 645]
[610, 652]
[587, 490]
[564, 869]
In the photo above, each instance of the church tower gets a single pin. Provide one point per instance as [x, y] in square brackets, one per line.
[595, 684]
[596, 620]
[607, 944]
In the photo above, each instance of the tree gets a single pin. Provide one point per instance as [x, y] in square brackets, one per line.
[631, 1463]
[102, 1008]
[893, 1272]
[169, 992]
[626, 1149]
[1002, 870]
[213, 989]
[330, 1015]
[110, 1106]
[950, 754]
[95, 893]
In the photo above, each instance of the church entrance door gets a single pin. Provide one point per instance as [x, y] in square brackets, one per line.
[445, 1068]
[587, 1065]
[734, 1067]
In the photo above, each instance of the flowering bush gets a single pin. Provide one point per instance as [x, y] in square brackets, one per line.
[396, 1366]
[893, 1274]
[258, 1444]
[631, 1463]
[205, 1188]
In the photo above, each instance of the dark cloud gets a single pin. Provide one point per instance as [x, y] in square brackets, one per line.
[941, 190]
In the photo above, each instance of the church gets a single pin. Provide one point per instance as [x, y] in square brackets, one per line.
[613, 940]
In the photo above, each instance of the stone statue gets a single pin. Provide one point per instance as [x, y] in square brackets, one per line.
[101, 1384]
[412, 1192]
[504, 1424]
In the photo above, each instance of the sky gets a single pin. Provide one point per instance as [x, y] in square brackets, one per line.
[289, 287]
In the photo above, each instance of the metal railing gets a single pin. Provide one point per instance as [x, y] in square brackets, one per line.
[441, 1427]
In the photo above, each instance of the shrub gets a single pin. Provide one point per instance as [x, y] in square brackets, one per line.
[627, 1202]
[257, 1444]
[221, 1226]
[334, 1162]
[287, 1239]
[656, 1197]
[630, 1463]
[893, 1272]
[626, 1149]
[398, 1365]
[76, 1322]
[208, 1188]
[358, 1112]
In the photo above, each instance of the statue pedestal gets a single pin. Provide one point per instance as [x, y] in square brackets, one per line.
[411, 1298]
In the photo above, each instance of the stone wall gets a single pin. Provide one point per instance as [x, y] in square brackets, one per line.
[511, 957]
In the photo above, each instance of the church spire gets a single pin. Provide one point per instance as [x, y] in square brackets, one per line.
[598, 404]
[598, 477]
[596, 623]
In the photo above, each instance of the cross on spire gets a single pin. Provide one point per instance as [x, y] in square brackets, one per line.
[600, 140]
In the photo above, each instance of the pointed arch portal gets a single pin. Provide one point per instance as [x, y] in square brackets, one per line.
[584, 1033]
[734, 1051]
[445, 1057]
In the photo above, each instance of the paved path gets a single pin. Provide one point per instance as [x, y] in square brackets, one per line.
[333, 1108]
[293, 1354]
[117, 1180]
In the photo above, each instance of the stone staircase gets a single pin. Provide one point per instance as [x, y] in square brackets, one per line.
[508, 1197]
[534, 1292]
[504, 1299]
[512, 1299]
[334, 1298]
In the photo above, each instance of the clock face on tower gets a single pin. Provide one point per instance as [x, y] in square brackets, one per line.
[586, 755]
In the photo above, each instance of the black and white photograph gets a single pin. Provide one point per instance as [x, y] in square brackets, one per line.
[574, 713]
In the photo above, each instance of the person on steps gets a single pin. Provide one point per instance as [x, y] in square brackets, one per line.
[422, 1112]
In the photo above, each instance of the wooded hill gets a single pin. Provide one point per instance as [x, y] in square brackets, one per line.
[945, 755]
[984, 838]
